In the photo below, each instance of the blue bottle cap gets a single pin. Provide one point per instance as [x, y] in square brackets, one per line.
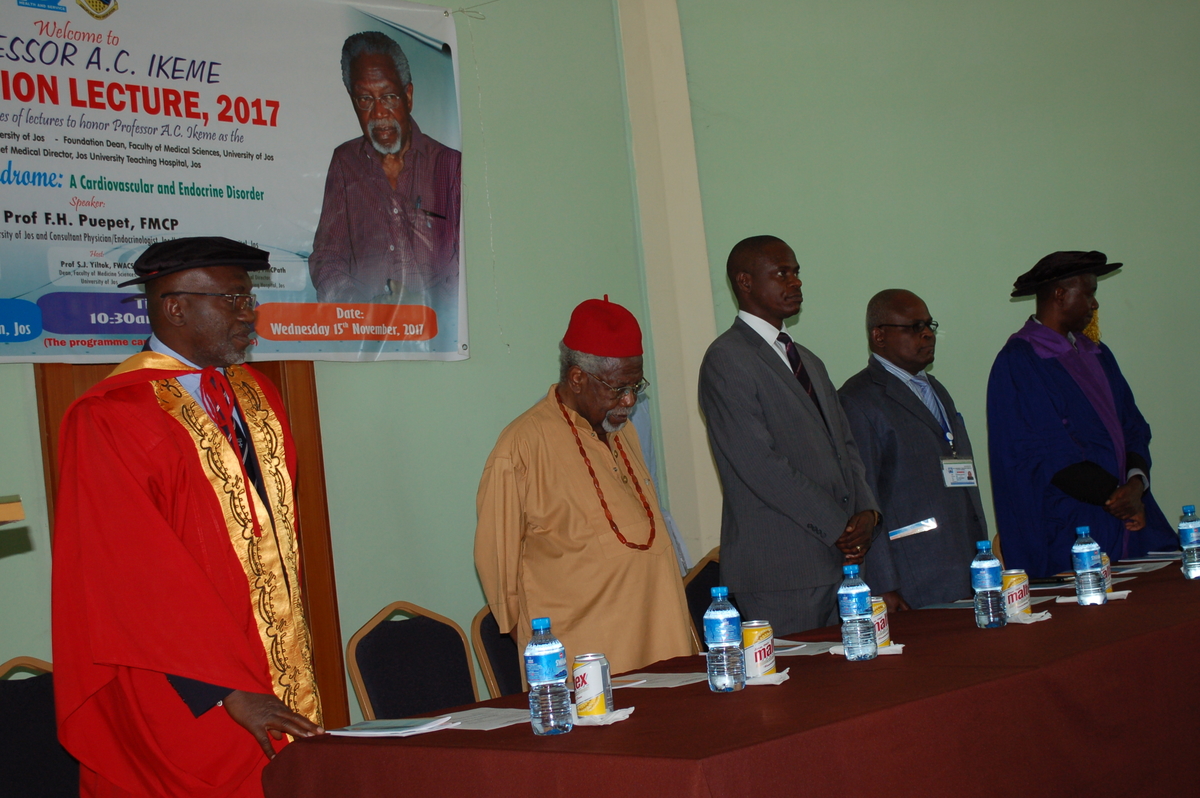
[540, 624]
[1083, 530]
[850, 570]
[1189, 509]
[719, 592]
[983, 545]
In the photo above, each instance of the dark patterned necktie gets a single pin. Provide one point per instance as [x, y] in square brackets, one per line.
[217, 393]
[793, 356]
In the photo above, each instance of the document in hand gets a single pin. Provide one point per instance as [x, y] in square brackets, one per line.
[401, 727]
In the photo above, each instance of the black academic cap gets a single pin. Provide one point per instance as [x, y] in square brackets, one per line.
[180, 254]
[1061, 265]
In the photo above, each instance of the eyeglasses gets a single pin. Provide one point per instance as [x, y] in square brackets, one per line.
[365, 102]
[916, 328]
[637, 388]
[238, 302]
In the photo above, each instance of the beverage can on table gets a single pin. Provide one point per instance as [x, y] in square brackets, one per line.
[758, 642]
[593, 685]
[1014, 584]
[883, 634]
[1106, 571]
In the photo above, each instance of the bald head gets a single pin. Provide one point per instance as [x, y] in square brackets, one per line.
[883, 305]
[898, 329]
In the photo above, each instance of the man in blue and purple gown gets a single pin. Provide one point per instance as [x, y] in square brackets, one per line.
[1067, 444]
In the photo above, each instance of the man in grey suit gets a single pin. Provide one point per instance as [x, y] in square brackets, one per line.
[796, 502]
[918, 458]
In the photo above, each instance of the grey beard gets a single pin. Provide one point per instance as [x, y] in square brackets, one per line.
[611, 427]
[374, 125]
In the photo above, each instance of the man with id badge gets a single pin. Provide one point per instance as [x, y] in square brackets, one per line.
[918, 459]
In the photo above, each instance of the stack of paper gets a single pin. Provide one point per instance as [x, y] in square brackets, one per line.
[402, 727]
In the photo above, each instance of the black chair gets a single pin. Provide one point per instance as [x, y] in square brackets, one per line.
[497, 654]
[32, 762]
[697, 587]
[410, 666]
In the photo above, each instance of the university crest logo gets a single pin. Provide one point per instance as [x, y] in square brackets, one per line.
[98, 8]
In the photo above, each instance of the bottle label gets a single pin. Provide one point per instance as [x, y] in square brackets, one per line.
[548, 667]
[722, 629]
[1189, 533]
[985, 576]
[1086, 560]
[852, 604]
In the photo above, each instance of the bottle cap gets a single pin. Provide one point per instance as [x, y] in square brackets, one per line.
[719, 592]
[1189, 509]
[983, 545]
[850, 570]
[540, 624]
[1083, 530]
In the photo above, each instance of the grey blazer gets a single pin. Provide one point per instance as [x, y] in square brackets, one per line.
[790, 482]
[901, 444]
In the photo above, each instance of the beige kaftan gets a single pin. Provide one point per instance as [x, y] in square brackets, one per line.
[543, 546]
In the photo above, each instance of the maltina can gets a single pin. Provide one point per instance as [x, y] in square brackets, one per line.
[758, 643]
[1014, 584]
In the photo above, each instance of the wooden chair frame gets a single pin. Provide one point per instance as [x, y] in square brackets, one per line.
[28, 663]
[481, 654]
[712, 556]
[360, 688]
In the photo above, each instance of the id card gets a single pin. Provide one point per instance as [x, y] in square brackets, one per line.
[958, 473]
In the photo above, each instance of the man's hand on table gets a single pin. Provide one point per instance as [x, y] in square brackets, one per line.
[263, 715]
[856, 538]
[894, 601]
[1126, 503]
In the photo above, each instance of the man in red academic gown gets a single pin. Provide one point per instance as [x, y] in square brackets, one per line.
[182, 656]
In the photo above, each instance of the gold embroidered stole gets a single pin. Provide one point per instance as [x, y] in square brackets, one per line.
[270, 561]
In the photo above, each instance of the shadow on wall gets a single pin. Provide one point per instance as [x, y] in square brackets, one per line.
[15, 541]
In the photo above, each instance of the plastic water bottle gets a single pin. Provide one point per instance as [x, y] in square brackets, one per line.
[854, 606]
[1089, 581]
[985, 581]
[546, 670]
[723, 638]
[1189, 538]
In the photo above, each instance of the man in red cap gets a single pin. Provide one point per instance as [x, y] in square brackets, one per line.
[569, 524]
[180, 643]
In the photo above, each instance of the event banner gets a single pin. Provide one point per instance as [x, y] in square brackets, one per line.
[324, 132]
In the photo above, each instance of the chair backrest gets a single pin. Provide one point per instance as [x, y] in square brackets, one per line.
[497, 654]
[32, 762]
[697, 587]
[410, 666]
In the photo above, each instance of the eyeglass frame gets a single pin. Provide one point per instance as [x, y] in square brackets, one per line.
[380, 99]
[917, 327]
[239, 302]
[637, 389]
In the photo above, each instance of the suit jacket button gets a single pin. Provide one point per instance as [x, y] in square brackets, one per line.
[845, 499]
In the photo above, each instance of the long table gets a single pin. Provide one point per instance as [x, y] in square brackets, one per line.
[1096, 698]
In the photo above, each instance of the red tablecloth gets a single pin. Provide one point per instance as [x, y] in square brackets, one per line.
[1096, 698]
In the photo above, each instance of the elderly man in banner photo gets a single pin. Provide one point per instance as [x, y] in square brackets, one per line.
[180, 643]
[796, 502]
[918, 459]
[569, 525]
[389, 223]
[1067, 443]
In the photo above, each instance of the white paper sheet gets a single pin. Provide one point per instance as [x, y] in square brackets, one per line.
[488, 718]
[663, 679]
[400, 727]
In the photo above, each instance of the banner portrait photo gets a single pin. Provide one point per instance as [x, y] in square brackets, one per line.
[326, 133]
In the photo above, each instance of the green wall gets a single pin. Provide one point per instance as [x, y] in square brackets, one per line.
[945, 147]
[24, 545]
